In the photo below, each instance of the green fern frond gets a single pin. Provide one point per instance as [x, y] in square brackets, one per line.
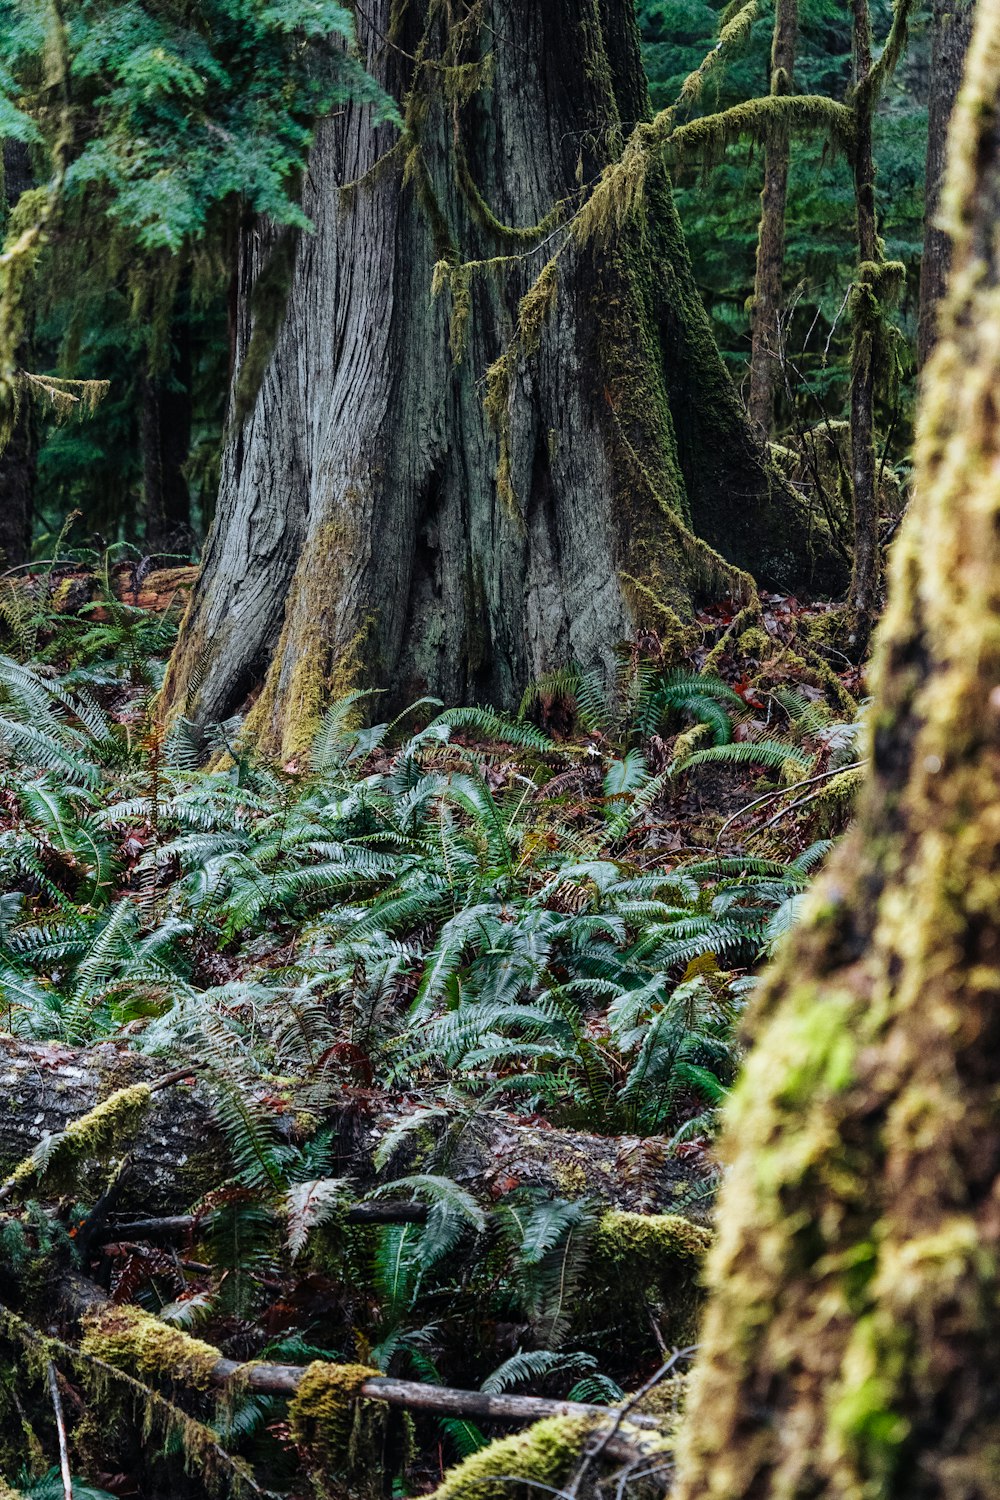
[747, 752]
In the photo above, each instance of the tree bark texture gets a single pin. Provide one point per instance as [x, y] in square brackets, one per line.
[865, 574]
[767, 298]
[373, 525]
[17, 459]
[850, 1343]
[952, 29]
[179, 1153]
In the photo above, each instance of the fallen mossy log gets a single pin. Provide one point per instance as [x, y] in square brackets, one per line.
[641, 1235]
[140, 1345]
[177, 1152]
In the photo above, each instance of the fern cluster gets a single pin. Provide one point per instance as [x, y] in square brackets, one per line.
[447, 922]
[420, 912]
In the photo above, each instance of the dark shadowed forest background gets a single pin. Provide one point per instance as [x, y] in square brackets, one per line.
[499, 749]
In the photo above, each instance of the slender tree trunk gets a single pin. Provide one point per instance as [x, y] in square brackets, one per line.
[767, 300]
[865, 575]
[850, 1345]
[374, 523]
[17, 459]
[166, 444]
[952, 29]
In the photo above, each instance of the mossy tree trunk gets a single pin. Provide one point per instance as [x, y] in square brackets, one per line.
[952, 23]
[17, 489]
[850, 1343]
[767, 299]
[865, 574]
[374, 524]
[17, 457]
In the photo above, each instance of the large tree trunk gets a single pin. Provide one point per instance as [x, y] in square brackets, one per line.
[17, 457]
[765, 351]
[373, 524]
[952, 30]
[17, 490]
[850, 1346]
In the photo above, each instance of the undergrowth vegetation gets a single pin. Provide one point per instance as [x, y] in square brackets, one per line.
[455, 929]
[466, 903]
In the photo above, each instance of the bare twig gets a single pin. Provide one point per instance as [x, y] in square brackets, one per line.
[57, 1407]
[801, 802]
[833, 325]
[593, 1453]
[785, 791]
[178, 1076]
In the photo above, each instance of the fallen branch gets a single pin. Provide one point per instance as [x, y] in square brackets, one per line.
[187, 1360]
[784, 812]
[66, 589]
[57, 1407]
[443, 1400]
[785, 791]
[178, 1226]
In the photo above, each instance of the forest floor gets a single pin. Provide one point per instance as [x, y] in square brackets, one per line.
[459, 999]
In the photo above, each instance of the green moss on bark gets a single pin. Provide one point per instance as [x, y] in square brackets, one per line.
[545, 1454]
[140, 1345]
[637, 1244]
[339, 1433]
[316, 661]
[104, 1130]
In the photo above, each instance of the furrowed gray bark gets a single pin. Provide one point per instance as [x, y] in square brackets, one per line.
[371, 525]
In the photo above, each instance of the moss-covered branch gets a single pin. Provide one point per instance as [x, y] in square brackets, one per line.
[337, 1413]
[139, 1344]
[323, 1394]
[762, 120]
[874, 86]
[735, 32]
